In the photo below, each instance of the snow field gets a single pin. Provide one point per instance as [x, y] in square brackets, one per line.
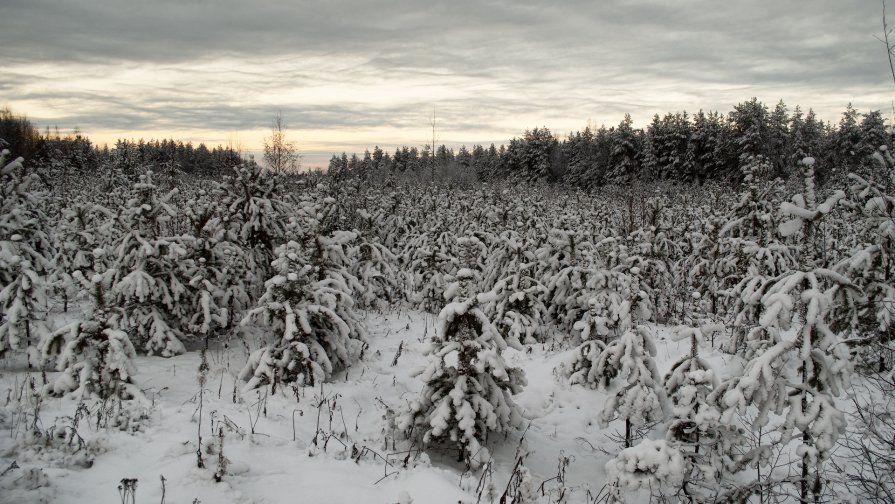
[275, 465]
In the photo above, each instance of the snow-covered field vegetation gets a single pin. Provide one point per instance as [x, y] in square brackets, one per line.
[360, 336]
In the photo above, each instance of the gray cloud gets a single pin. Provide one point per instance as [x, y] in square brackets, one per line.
[231, 65]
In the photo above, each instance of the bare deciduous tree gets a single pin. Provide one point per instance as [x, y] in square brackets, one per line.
[280, 154]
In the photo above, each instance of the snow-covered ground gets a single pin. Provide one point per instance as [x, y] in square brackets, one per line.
[269, 439]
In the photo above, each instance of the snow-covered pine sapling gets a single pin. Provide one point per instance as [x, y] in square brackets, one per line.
[313, 320]
[654, 253]
[616, 306]
[203, 265]
[25, 252]
[81, 230]
[508, 254]
[210, 318]
[471, 253]
[95, 354]
[627, 371]
[696, 429]
[374, 266]
[709, 265]
[23, 300]
[797, 378]
[807, 215]
[467, 384]
[561, 263]
[237, 290]
[146, 279]
[253, 208]
[429, 260]
[872, 265]
[750, 237]
[518, 307]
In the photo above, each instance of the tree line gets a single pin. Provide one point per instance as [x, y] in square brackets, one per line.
[677, 147]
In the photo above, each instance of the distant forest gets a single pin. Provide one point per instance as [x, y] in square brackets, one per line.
[677, 147]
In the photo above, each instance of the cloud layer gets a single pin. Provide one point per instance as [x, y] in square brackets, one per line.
[351, 73]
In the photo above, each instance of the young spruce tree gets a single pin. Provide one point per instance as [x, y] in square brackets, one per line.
[468, 387]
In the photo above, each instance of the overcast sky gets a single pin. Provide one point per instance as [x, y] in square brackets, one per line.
[348, 74]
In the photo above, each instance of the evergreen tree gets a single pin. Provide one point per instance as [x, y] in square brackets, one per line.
[25, 250]
[778, 138]
[467, 385]
[846, 142]
[562, 261]
[95, 355]
[147, 283]
[709, 146]
[873, 136]
[750, 235]
[204, 267]
[623, 165]
[872, 263]
[83, 228]
[706, 443]
[375, 268]
[749, 121]
[311, 317]
[796, 378]
[653, 464]
[253, 215]
[518, 308]
[626, 369]
[617, 305]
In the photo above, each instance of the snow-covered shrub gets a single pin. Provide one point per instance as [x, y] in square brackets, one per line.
[518, 309]
[616, 306]
[654, 465]
[147, 281]
[626, 369]
[311, 315]
[872, 264]
[706, 443]
[83, 228]
[95, 355]
[375, 268]
[562, 263]
[25, 252]
[254, 214]
[467, 384]
[796, 377]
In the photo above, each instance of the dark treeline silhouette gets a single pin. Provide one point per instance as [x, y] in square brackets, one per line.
[56, 157]
[677, 147]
